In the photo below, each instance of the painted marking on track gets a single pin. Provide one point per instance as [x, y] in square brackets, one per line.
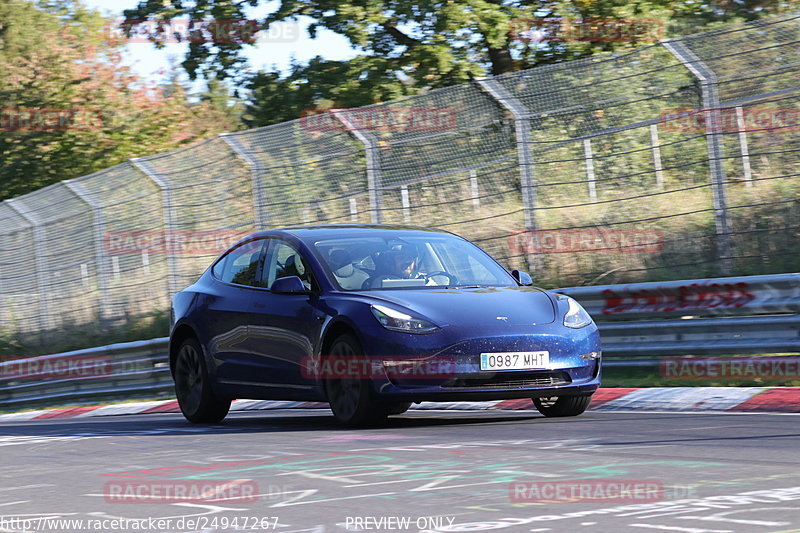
[703, 427]
[356, 437]
[294, 501]
[28, 487]
[14, 503]
[541, 444]
[395, 481]
[649, 513]
[28, 440]
[722, 517]
[683, 529]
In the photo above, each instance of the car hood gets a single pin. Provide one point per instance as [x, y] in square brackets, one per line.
[474, 307]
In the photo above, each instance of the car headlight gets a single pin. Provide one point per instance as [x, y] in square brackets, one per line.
[576, 316]
[397, 321]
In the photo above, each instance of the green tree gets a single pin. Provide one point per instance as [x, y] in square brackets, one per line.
[406, 47]
[57, 62]
[217, 96]
[320, 84]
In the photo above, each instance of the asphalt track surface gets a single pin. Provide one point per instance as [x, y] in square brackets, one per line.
[293, 471]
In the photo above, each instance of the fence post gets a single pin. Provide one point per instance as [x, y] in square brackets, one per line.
[39, 259]
[353, 211]
[742, 127]
[255, 172]
[406, 202]
[590, 181]
[473, 188]
[169, 221]
[100, 252]
[3, 299]
[656, 147]
[711, 108]
[373, 163]
[522, 132]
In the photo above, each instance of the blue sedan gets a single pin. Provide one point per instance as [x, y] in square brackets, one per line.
[372, 319]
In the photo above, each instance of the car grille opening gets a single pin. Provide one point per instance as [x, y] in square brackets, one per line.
[510, 380]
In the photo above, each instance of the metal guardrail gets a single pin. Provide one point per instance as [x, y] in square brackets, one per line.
[735, 296]
[722, 316]
[703, 336]
[709, 326]
[118, 371]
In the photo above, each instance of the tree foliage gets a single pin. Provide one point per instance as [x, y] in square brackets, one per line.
[56, 60]
[406, 47]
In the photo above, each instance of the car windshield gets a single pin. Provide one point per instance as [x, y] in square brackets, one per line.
[410, 261]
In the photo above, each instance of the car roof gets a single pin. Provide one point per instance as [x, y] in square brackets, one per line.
[347, 230]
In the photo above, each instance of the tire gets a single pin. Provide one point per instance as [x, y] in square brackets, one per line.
[351, 400]
[562, 405]
[197, 401]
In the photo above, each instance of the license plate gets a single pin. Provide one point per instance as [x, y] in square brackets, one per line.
[515, 360]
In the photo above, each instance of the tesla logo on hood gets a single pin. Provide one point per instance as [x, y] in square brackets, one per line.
[502, 318]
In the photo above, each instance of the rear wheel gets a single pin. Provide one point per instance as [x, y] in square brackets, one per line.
[562, 405]
[351, 398]
[197, 401]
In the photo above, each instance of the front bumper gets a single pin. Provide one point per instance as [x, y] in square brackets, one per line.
[455, 352]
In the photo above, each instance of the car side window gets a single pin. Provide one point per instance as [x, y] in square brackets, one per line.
[240, 265]
[284, 260]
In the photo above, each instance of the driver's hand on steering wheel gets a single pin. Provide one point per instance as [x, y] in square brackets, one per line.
[430, 281]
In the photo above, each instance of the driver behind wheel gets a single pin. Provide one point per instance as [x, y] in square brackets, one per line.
[398, 262]
[404, 261]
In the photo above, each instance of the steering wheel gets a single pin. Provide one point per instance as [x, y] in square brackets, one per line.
[451, 279]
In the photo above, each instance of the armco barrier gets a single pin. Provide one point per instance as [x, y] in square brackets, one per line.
[749, 295]
[132, 369]
[725, 316]
[722, 316]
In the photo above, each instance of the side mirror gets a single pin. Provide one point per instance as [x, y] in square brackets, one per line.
[289, 285]
[522, 277]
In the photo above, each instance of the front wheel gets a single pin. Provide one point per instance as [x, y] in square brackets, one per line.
[562, 405]
[351, 397]
[197, 401]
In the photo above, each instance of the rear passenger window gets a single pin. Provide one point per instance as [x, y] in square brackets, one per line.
[241, 264]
